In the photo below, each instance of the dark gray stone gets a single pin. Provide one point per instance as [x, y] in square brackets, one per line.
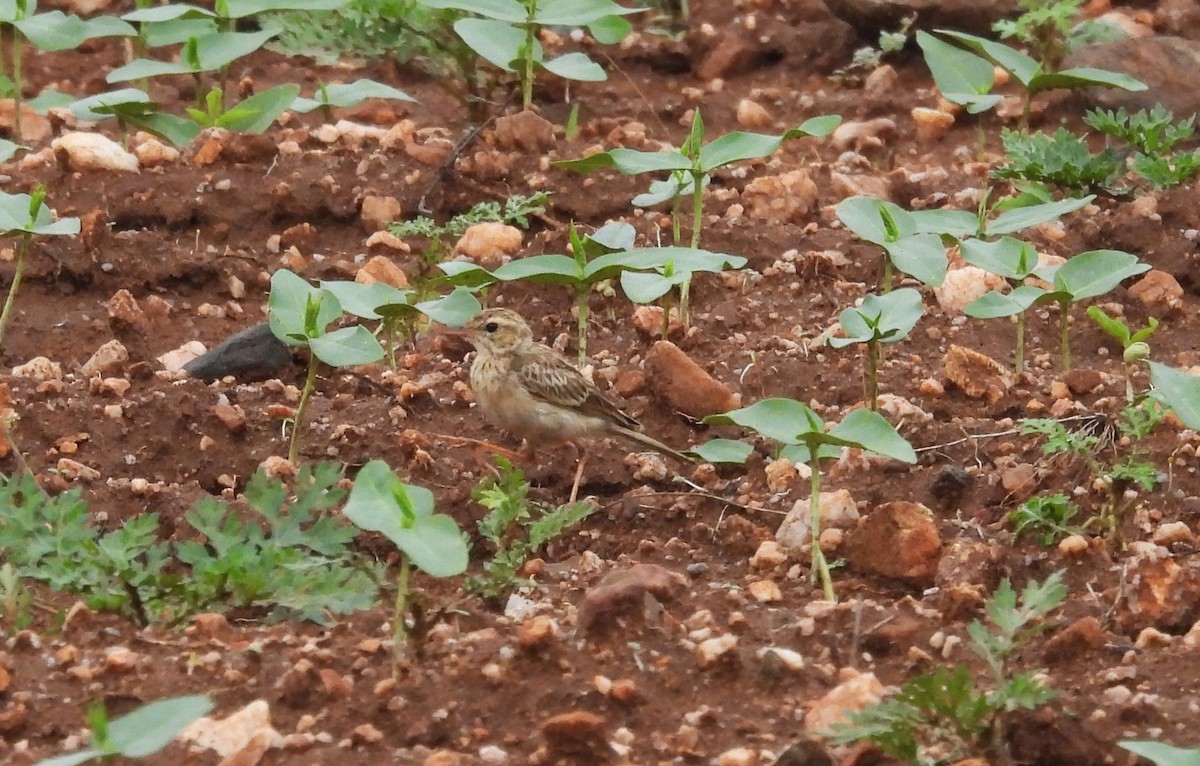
[252, 354]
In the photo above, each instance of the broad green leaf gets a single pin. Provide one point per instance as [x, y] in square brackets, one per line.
[609, 30]
[667, 189]
[467, 274]
[104, 105]
[167, 13]
[175, 32]
[962, 77]
[575, 66]
[346, 347]
[1018, 64]
[241, 8]
[821, 125]
[945, 222]
[49, 99]
[453, 310]
[784, 420]
[1179, 390]
[288, 302]
[996, 304]
[922, 256]
[553, 269]
[570, 13]
[404, 513]
[885, 318]
[149, 729]
[364, 300]
[738, 146]
[180, 131]
[870, 431]
[648, 286]
[257, 113]
[495, 41]
[863, 216]
[349, 94]
[723, 451]
[629, 162]
[56, 31]
[614, 235]
[8, 149]
[1083, 77]
[1006, 257]
[501, 10]
[214, 51]
[1162, 754]
[1020, 218]
[1096, 272]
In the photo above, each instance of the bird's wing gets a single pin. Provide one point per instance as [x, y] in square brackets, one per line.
[552, 379]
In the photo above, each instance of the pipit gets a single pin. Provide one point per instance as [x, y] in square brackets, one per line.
[531, 391]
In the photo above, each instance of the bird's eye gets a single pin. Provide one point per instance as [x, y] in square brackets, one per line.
[491, 326]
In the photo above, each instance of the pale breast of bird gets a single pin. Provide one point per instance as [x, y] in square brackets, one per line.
[509, 405]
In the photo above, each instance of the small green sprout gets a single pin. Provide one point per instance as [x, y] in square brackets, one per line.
[879, 319]
[806, 438]
[27, 216]
[1134, 348]
[299, 316]
[139, 734]
[404, 513]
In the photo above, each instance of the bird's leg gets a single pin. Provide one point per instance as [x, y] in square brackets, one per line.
[464, 441]
[578, 477]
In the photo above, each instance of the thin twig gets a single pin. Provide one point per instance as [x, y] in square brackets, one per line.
[458, 149]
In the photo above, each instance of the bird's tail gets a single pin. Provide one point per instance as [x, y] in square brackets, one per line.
[651, 442]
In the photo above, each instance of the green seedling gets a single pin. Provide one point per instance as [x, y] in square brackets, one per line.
[253, 115]
[1153, 135]
[970, 84]
[1178, 390]
[517, 210]
[347, 94]
[26, 216]
[407, 32]
[517, 528]
[690, 165]
[689, 169]
[1044, 27]
[50, 31]
[139, 734]
[914, 240]
[1062, 160]
[404, 513]
[299, 316]
[288, 556]
[1086, 275]
[1162, 754]
[1013, 260]
[209, 41]
[505, 33]
[806, 438]
[657, 283]
[1134, 348]
[878, 319]
[133, 106]
[1048, 516]
[869, 58]
[395, 311]
[1099, 444]
[293, 555]
[596, 258]
[951, 712]
[16, 600]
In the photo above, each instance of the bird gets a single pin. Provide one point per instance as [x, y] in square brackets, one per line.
[530, 390]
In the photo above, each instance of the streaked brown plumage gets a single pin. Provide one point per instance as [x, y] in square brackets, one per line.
[531, 391]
